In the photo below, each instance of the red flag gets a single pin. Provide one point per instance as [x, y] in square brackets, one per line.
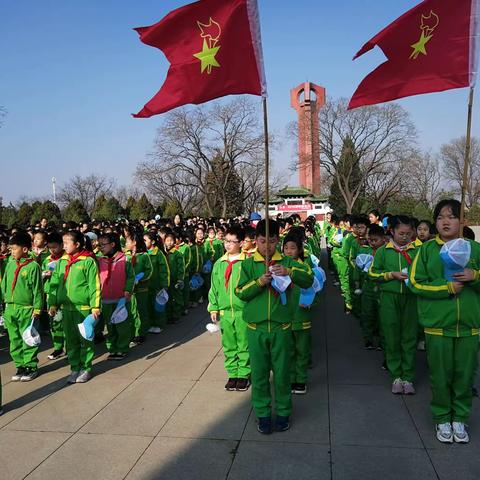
[430, 48]
[214, 49]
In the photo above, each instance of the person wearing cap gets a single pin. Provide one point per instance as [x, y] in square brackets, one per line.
[75, 288]
[22, 292]
[227, 309]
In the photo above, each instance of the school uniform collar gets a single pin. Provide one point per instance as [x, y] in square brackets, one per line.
[277, 256]
[410, 246]
[224, 258]
[153, 251]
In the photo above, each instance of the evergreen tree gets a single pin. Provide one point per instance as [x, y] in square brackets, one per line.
[24, 215]
[48, 210]
[75, 212]
[142, 209]
[8, 215]
[131, 202]
[347, 178]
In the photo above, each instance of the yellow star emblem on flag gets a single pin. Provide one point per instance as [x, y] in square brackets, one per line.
[207, 57]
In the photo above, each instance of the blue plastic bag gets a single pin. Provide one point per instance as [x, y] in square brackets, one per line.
[207, 267]
[161, 301]
[364, 261]
[87, 328]
[455, 256]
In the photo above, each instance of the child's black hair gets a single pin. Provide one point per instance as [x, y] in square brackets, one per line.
[112, 237]
[77, 237]
[429, 225]
[137, 237]
[297, 241]
[261, 228]
[376, 230]
[249, 232]
[453, 204]
[236, 230]
[468, 233]
[55, 237]
[360, 220]
[22, 239]
[374, 212]
[398, 220]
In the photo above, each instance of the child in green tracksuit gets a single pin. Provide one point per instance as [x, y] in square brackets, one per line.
[186, 252]
[55, 247]
[449, 313]
[176, 265]
[196, 263]
[398, 306]
[269, 324]
[337, 237]
[142, 266]
[22, 293]
[117, 279]
[160, 280]
[369, 298]
[227, 309]
[301, 321]
[75, 289]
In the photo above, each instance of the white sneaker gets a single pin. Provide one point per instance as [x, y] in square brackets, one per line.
[154, 330]
[72, 378]
[421, 346]
[444, 432]
[83, 377]
[408, 388]
[460, 435]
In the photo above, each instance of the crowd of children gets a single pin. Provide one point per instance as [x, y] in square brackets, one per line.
[121, 282]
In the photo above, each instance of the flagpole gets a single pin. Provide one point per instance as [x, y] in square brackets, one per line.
[267, 178]
[466, 163]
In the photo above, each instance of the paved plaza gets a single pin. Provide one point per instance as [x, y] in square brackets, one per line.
[163, 414]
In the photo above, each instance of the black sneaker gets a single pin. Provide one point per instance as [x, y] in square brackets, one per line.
[56, 354]
[369, 345]
[293, 386]
[111, 356]
[300, 389]
[29, 374]
[242, 384]
[231, 384]
[264, 425]
[18, 375]
[120, 356]
[282, 424]
[137, 341]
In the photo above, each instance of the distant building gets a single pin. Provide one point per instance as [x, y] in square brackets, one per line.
[298, 200]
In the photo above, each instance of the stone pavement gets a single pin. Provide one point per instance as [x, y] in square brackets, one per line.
[163, 414]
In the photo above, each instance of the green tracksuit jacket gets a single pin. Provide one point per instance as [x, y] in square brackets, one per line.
[175, 305]
[398, 310]
[21, 303]
[222, 299]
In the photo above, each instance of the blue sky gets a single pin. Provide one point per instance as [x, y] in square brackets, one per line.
[71, 73]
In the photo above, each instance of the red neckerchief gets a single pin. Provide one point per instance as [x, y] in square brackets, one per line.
[404, 254]
[74, 259]
[17, 271]
[4, 257]
[228, 271]
[54, 257]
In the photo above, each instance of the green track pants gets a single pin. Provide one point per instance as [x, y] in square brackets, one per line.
[341, 265]
[80, 352]
[235, 345]
[398, 317]
[157, 319]
[369, 311]
[452, 364]
[270, 348]
[119, 334]
[301, 351]
[17, 320]
[140, 313]
[56, 330]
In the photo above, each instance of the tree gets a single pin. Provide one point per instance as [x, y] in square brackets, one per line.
[86, 190]
[347, 179]
[189, 141]
[107, 208]
[452, 158]
[75, 212]
[8, 215]
[473, 215]
[380, 136]
[24, 214]
[46, 209]
[142, 209]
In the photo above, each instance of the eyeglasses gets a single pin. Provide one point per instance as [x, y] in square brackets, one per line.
[231, 241]
[103, 244]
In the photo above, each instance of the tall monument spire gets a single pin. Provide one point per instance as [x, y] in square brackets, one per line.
[307, 99]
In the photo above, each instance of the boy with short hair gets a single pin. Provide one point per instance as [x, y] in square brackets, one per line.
[22, 292]
[176, 266]
[225, 307]
[269, 324]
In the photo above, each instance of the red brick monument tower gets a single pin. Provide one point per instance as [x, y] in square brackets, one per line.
[307, 99]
